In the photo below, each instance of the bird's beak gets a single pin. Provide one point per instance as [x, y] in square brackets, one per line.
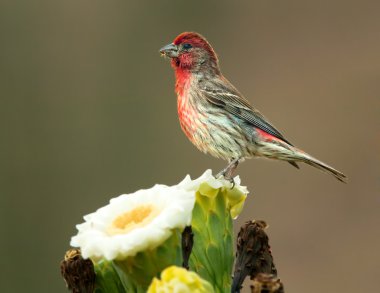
[169, 50]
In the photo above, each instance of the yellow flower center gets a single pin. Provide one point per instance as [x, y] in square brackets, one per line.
[138, 217]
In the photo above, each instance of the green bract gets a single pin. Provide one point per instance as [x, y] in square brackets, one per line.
[107, 280]
[215, 207]
[136, 273]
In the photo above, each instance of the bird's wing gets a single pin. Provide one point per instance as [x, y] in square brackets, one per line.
[232, 101]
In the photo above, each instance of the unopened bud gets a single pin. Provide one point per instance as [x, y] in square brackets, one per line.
[253, 254]
[78, 272]
[187, 245]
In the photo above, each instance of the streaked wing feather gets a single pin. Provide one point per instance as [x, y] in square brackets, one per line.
[234, 103]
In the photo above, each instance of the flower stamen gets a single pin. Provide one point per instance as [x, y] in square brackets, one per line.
[139, 217]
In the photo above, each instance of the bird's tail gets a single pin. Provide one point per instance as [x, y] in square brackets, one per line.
[306, 158]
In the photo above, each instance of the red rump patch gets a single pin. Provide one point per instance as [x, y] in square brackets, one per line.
[266, 136]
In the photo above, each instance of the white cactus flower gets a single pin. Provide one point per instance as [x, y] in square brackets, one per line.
[134, 222]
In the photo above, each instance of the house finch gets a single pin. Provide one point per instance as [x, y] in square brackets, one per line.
[217, 118]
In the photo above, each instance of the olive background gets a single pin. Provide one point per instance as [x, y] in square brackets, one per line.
[88, 112]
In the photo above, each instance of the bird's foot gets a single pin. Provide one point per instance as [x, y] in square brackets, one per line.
[226, 176]
[228, 171]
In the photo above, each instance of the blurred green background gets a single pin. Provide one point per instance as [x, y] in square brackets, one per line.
[88, 112]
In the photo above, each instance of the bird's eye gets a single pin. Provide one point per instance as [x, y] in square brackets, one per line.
[187, 46]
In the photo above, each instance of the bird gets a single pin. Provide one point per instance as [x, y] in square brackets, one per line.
[218, 119]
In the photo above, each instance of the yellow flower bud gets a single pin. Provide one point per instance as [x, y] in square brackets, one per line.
[176, 279]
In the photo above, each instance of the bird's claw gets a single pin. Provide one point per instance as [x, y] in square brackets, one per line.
[230, 179]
